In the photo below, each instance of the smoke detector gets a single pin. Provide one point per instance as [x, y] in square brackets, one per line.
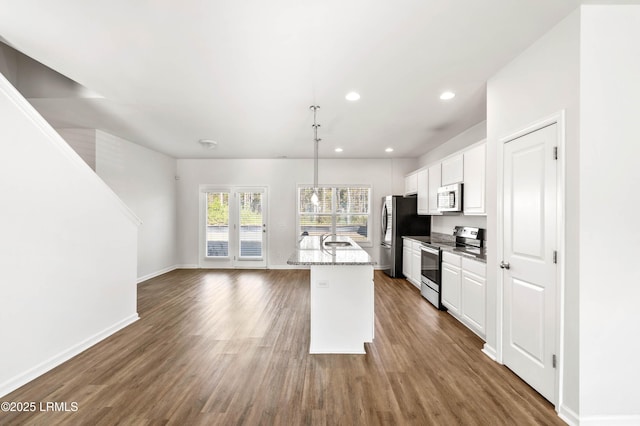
[208, 143]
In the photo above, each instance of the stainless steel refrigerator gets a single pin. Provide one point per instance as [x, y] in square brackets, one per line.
[399, 218]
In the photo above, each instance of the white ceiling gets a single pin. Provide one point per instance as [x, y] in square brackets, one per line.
[245, 72]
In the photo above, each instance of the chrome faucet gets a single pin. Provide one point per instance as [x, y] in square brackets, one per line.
[323, 237]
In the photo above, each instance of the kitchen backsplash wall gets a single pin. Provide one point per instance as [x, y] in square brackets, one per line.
[445, 224]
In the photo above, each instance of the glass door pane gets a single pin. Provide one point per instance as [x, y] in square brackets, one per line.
[217, 224]
[251, 225]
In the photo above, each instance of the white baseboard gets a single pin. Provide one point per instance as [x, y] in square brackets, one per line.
[157, 273]
[608, 420]
[34, 372]
[490, 352]
[288, 267]
[304, 267]
[568, 416]
[187, 266]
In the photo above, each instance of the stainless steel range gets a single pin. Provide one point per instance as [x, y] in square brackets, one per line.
[467, 239]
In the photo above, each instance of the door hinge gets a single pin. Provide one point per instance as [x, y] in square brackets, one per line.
[555, 256]
[553, 360]
[555, 152]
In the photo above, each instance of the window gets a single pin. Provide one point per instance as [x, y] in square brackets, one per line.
[341, 210]
[217, 224]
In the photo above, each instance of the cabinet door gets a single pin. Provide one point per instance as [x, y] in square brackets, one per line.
[406, 259]
[434, 184]
[423, 191]
[474, 180]
[451, 288]
[411, 184]
[474, 302]
[416, 262]
[452, 170]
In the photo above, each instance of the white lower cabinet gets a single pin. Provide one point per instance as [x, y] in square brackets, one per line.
[464, 286]
[407, 270]
[451, 279]
[416, 264]
[411, 261]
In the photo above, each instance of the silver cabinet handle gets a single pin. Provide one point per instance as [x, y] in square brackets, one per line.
[505, 265]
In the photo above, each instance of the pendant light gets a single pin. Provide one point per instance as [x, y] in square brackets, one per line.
[314, 198]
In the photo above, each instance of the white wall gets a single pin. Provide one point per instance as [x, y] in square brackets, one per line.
[83, 142]
[457, 143]
[68, 249]
[543, 80]
[609, 175]
[281, 177]
[9, 63]
[145, 181]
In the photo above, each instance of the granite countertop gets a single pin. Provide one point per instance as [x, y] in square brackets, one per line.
[446, 244]
[309, 252]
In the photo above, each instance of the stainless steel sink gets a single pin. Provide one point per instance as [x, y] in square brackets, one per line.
[337, 243]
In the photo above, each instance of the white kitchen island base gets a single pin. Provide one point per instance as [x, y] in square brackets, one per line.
[342, 314]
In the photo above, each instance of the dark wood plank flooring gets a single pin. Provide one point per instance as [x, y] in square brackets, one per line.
[230, 347]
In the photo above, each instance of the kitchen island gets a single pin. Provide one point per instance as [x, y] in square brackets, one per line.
[342, 293]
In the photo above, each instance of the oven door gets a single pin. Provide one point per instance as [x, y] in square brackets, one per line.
[430, 264]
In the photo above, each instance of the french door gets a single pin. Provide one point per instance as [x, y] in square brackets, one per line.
[233, 227]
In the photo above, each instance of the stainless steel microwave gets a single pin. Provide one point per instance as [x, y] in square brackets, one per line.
[450, 198]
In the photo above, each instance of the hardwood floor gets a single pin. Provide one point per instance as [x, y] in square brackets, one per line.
[231, 347]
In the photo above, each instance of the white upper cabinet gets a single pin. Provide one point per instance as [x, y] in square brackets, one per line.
[452, 169]
[423, 191]
[467, 167]
[433, 185]
[411, 184]
[475, 160]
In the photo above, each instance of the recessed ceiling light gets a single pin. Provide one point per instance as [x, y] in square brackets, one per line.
[445, 96]
[388, 150]
[352, 96]
[338, 150]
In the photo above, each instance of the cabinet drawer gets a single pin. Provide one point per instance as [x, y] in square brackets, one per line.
[475, 267]
[450, 258]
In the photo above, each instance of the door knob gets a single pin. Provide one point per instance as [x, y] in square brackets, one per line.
[505, 265]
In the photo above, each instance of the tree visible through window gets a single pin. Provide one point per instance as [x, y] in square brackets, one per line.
[218, 224]
[340, 210]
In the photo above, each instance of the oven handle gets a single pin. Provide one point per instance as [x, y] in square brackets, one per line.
[430, 250]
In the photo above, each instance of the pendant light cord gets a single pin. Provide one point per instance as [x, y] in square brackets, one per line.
[315, 126]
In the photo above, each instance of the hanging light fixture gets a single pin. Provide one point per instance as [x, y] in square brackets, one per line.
[314, 198]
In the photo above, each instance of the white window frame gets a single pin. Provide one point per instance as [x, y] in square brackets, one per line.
[369, 239]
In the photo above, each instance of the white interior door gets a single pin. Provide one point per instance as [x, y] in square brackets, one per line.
[233, 227]
[529, 269]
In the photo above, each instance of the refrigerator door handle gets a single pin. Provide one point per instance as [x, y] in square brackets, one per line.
[384, 219]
